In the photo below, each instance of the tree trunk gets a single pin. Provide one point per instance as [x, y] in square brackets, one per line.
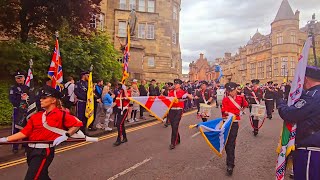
[24, 32]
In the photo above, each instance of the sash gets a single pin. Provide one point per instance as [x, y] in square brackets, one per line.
[236, 104]
[255, 97]
[204, 99]
[77, 135]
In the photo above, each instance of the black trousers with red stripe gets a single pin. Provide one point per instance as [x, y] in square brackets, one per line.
[39, 161]
[120, 119]
[174, 117]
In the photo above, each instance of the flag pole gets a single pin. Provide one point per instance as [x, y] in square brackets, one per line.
[43, 142]
[311, 27]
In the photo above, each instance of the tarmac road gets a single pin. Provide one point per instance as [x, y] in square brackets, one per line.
[147, 155]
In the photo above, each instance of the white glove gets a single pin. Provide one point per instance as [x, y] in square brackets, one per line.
[109, 110]
[124, 87]
[59, 140]
[4, 139]
[185, 96]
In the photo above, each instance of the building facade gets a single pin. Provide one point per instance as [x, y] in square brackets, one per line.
[155, 47]
[273, 56]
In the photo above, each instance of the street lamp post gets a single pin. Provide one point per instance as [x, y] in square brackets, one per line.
[311, 28]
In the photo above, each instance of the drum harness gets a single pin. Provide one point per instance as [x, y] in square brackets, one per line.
[251, 119]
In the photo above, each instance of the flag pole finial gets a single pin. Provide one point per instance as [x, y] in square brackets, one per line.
[56, 34]
[91, 67]
[30, 63]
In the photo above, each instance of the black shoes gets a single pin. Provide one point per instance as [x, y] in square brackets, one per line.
[255, 133]
[92, 129]
[172, 146]
[117, 143]
[124, 140]
[15, 151]
[229, 170]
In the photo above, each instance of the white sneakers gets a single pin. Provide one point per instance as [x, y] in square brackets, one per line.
[99, 126]
[131, 121]
[108, 129]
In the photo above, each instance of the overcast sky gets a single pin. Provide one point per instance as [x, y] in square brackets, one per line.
[214, 27]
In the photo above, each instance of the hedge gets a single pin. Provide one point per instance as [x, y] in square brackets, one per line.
[5, 105]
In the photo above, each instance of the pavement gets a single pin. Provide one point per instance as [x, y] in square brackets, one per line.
[146, 155]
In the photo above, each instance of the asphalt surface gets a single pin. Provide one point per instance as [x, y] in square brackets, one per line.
[147, 156]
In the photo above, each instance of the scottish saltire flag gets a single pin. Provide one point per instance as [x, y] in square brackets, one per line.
[158, 106]
[29, 78]
[55, 69]
[216, 133]
[126, 57]
[90, 102]
[288, 133]
[218, 69]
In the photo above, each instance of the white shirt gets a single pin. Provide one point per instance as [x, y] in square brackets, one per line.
[70, 91]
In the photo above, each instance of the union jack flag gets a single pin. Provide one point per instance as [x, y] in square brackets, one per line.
[55, 69]
[126, 56]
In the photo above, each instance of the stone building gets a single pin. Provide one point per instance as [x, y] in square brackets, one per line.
[198, 70]
[273, 56]
[155, 47]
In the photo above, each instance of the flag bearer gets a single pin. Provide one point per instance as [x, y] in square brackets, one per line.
[175, 113]
[80, 90]
[269, 99]
[122, 104]
[40, 155]
[18, 95]
[235, 104]
[305, 113]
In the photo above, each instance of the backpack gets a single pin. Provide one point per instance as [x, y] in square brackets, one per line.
[66, 98]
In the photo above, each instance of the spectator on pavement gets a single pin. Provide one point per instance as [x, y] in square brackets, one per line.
[143, 92]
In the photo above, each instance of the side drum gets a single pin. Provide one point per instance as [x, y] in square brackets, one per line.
[205, 110]
[258, 111]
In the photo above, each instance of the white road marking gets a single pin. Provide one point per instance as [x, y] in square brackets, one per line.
[130, 169]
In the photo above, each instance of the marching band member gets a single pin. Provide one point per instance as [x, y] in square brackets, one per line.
[122, 102]
[268, 97]
[40, 156]
[235, 104]
[254, 97]
[176, 111]
[205, 96]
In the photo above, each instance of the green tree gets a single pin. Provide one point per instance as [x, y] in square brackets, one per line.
[19, 18]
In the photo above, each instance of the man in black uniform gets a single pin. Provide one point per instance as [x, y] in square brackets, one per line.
[254, 97]
[18, 96]
[80, 90]
[269, 99]
[204, 95]
[305, 113]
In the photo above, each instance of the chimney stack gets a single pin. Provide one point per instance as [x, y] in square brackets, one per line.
[201, 55]
[297, 14]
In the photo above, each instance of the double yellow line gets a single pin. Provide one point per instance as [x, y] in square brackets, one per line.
[77, 145]
[66, 148]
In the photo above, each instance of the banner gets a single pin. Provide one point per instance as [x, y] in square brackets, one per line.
[158, 106]
[287, 139]
[126, 57]
[55, 69]
[216, 133]
[90, 102]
